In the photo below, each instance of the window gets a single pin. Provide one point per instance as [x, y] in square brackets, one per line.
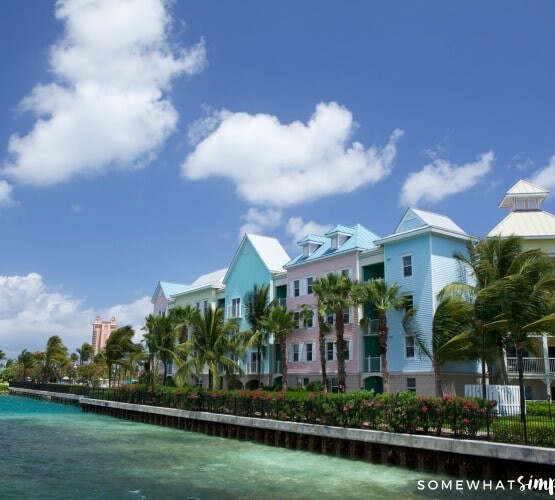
[296, 288]
[330, 319]
[407, 266]
[197, 306]
[347, 317]
[334, 384]
[198, 382]
[309, 282]
[309, 352]
[296, 355]
[330, 351]
[254, 362]
[347, 350]
[234, 309]
[296, 320]
[346, 272]
[409, 346]
[309, 320]
[205, 306]
[411, 384]
[409, 302]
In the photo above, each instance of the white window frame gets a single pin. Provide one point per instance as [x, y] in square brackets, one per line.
[234, 309]
[407, 269]
[309, 351]
[296, 288]
[410, 346]
[296, 320]
[296, 350]
[411, 384]
[309, 281]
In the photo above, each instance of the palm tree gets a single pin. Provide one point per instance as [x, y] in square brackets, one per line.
[160, 339]
[279, 322]
[85, 352]
[256, 310]
[211, 344]
[26, 360]
[383, 298]
[56, 352]
[527, 297]
[335, 295]
[2, 355]
[181, 318]
[119, 348]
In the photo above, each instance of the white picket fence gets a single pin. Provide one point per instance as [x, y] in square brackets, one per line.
[507, 397]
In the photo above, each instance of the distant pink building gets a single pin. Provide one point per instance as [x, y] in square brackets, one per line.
[101, 332]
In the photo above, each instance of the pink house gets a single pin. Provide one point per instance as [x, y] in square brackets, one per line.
[336, 251]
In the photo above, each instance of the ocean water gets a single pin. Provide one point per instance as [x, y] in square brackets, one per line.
[52, 451]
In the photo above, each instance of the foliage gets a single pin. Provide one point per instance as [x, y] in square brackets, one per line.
[3, 387]
[507, 430]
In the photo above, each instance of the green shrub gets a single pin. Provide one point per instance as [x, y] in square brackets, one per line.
[511, 430]
[3, 387]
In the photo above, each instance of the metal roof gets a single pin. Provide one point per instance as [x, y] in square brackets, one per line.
[526, 223]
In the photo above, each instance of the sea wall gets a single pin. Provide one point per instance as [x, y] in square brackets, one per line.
[461, 458]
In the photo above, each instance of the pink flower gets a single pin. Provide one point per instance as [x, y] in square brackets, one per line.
[424, 409]
[466, 421]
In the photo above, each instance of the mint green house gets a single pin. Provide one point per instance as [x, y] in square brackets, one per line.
[259, 260]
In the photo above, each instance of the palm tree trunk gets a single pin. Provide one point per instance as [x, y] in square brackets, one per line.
[520, 365]
[382, 338]
[282, 348]
[322, 345]
[437, 374]
[340, 347]
[259, 357]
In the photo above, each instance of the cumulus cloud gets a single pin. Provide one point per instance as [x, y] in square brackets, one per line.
[258, 221]
[275, 164]
[106, 106]
[297, 228]
[5, 193]
[442, 178]
[545, 177]
[30, 313]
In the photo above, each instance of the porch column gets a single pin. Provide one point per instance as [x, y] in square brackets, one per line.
[546, 369]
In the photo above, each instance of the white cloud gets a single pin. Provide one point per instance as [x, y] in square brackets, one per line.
[5, 193]
[30, 313]
[257, 221]
[441, 178]
[107, 105]
[545, 177]
[285, 164]
[297, 228]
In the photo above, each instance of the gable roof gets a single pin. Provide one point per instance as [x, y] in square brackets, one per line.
[268, 249]
[359, 238]
[168, 288]
[416, 221]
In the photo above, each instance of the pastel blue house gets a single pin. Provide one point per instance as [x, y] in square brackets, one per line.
[420, 256]
[259, 260]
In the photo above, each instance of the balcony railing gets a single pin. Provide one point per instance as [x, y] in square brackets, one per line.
[370, 328]
[281, 302]
[252, 368]
[530, 365]
[372, 364]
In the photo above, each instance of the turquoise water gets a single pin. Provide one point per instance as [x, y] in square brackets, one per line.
[52, 451]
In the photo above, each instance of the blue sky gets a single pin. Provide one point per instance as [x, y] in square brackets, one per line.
[139, 139]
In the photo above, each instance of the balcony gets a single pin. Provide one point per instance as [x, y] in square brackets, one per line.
[531, 365]
[252, 368]
[372, 364]
[371, 328]
[282, 302]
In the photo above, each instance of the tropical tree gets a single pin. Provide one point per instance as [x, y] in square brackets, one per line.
[212, 344]
[383, 297]
[160, 340]
[85, 352]
[2, 355]
[119, 350]
[335, 295]
[256, 310]
[279, 322]
[527, 298]
[56, 353]
[181, 318]
[26, 360]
